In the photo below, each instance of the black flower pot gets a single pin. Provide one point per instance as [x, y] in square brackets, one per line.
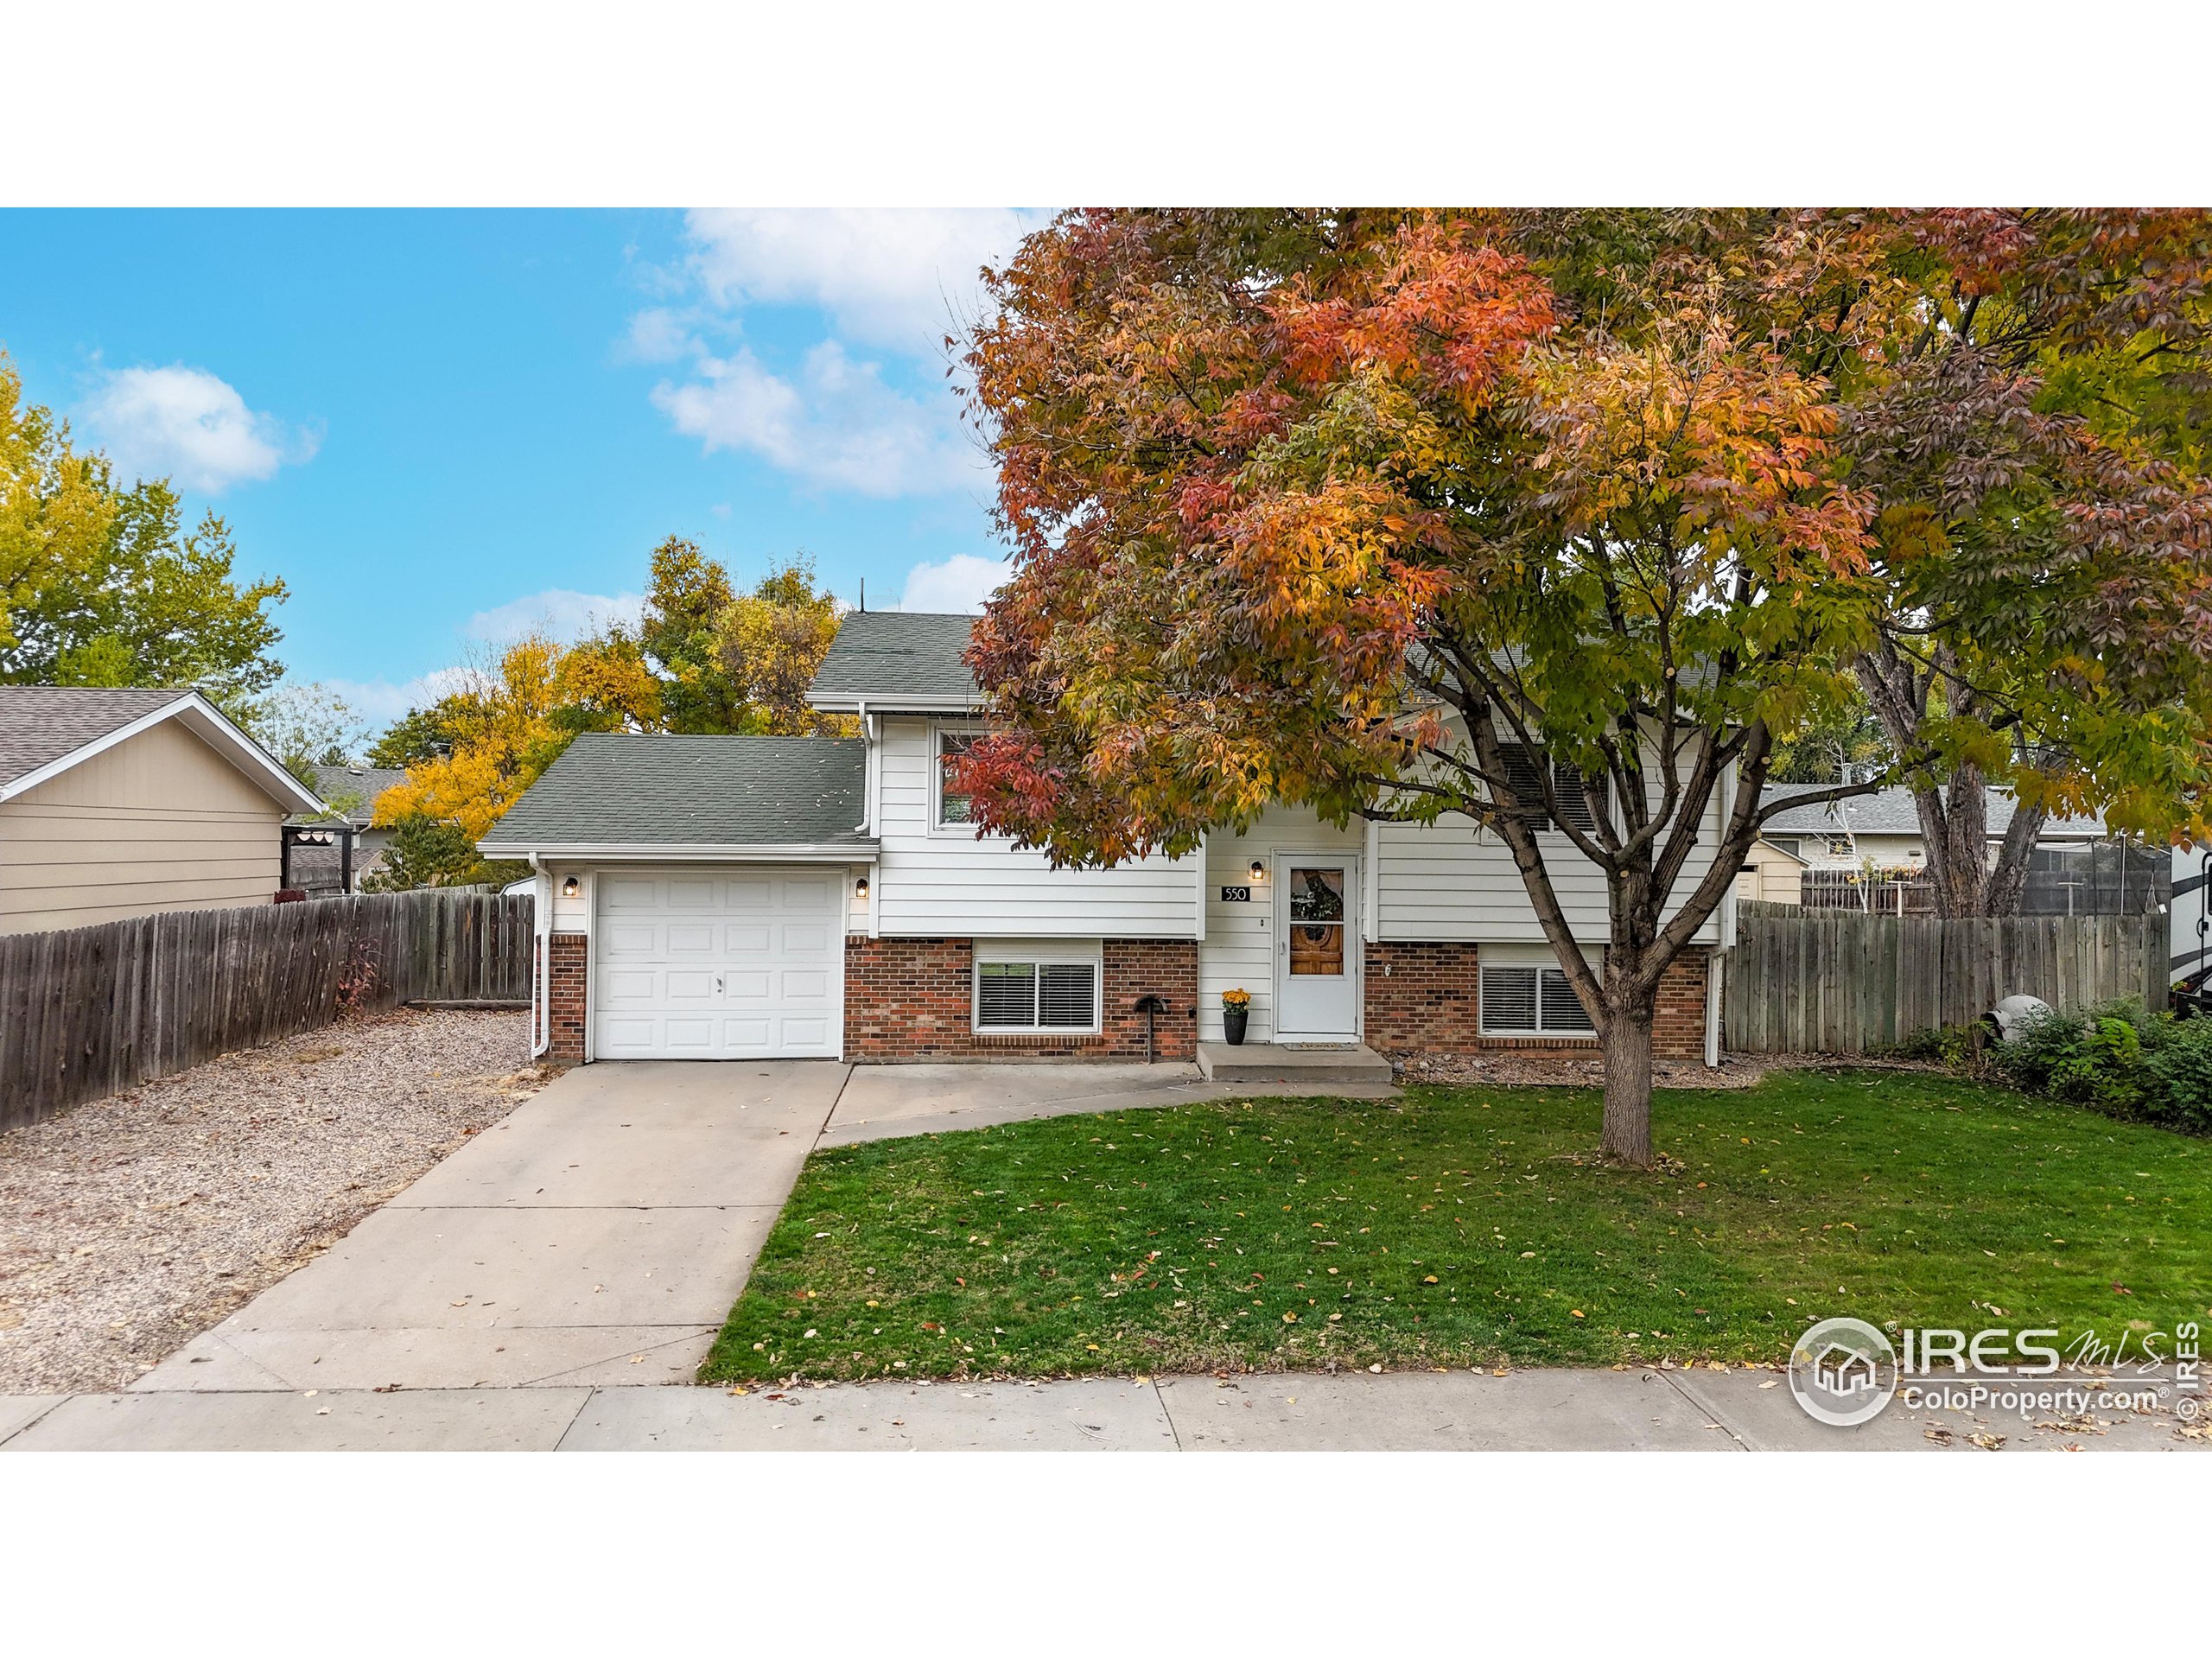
[1233, 1022]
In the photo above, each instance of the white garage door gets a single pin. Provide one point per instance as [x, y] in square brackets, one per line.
[719, 965]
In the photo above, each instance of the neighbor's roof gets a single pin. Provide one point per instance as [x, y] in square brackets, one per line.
[47, 729]
[897, 657]
[616, 790]
[1891, 812]
[364, 783]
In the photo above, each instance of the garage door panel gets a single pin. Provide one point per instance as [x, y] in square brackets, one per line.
[705, 964]
[620, 893]
[629, 938]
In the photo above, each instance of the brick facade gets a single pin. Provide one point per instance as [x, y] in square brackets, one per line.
[568, 966]
[1426, 997]
[1678, 1033]
[1423, 996]
[914, 999]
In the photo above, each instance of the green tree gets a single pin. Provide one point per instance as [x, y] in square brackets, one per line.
[685, 600]
[102, 586]
[771, 641]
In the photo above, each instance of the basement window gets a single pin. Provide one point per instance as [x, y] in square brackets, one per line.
[1531, 999]
[1036, 995]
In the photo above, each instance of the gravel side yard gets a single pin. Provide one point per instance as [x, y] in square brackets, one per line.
[129, 1225]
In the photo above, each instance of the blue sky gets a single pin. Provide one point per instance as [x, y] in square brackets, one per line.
[439, 427]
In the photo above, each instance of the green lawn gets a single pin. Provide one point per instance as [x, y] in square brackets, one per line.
[1472, 1226]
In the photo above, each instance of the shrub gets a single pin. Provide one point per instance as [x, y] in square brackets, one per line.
[2182, 1068]
[2118, 1058]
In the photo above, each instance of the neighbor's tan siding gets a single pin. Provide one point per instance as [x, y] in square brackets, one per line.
[160, 822]
[1771, 875]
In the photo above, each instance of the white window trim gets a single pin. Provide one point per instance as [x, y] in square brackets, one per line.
[938, 730]
[1540, 958]
[984, 952]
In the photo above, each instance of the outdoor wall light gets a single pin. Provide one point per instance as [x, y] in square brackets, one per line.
[1258, 871]
[859, 888]
[571, 887]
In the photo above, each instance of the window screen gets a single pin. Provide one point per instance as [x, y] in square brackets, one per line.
[952, 806]
[1065, 994]
[1508, 999]
[1562, 1008]
[1006, 995]
[1573, 798]
[1525, 1000]
[1036, 995]
[1526, 775]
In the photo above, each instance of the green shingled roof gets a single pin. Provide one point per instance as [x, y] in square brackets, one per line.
[881, 657]
[625, 789]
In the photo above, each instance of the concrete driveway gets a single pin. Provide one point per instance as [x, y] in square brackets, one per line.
[597, 1236]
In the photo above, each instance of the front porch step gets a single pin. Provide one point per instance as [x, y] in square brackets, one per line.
[1265, 1062]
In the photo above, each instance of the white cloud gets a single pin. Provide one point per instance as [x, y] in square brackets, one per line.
[892, 277]
[837, 425]
[962, 582]
[562, 613]
[378, 702]
[191, 425]
[658, 335]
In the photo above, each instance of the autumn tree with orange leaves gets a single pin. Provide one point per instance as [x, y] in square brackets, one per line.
[1542, 521]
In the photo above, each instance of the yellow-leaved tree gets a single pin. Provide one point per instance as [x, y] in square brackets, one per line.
[507, 722]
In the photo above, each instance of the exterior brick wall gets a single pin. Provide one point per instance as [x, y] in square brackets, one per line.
[1426, 997]
[1423, 996]
[914, 999]
[569, 967]
[1678, 1033]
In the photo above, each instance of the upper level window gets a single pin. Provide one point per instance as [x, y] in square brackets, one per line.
[953, 806]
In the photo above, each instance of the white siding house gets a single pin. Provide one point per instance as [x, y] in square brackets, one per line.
[964, 946]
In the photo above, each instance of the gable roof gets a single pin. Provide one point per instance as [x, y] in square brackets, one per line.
[620, 792]
[897, 659]
[364, 783]
[47, 729]
[1890, 812]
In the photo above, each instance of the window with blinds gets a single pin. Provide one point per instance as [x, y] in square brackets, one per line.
[1524, 772]
[1036, 996]
[1531, 1002]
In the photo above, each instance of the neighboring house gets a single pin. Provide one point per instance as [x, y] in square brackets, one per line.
[352, 792]
[118, 802]
[1773, 874]
[728, 897]
[1884, 828]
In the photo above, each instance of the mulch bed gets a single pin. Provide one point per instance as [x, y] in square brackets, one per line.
[130, 1225]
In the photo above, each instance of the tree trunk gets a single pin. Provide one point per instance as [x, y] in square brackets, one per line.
[1627, 1042]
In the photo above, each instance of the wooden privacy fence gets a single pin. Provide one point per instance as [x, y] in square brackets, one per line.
[1825, 983]
[89, 1011]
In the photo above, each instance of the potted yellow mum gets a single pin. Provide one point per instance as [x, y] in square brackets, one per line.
[1235, 1010]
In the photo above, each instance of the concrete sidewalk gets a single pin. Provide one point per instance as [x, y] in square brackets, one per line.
[1632, 1410]
[881, 1103]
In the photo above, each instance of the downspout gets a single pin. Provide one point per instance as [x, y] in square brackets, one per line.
[866, 826]
[540, 955]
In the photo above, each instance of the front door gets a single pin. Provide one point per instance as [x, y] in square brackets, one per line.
[1317, 994]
